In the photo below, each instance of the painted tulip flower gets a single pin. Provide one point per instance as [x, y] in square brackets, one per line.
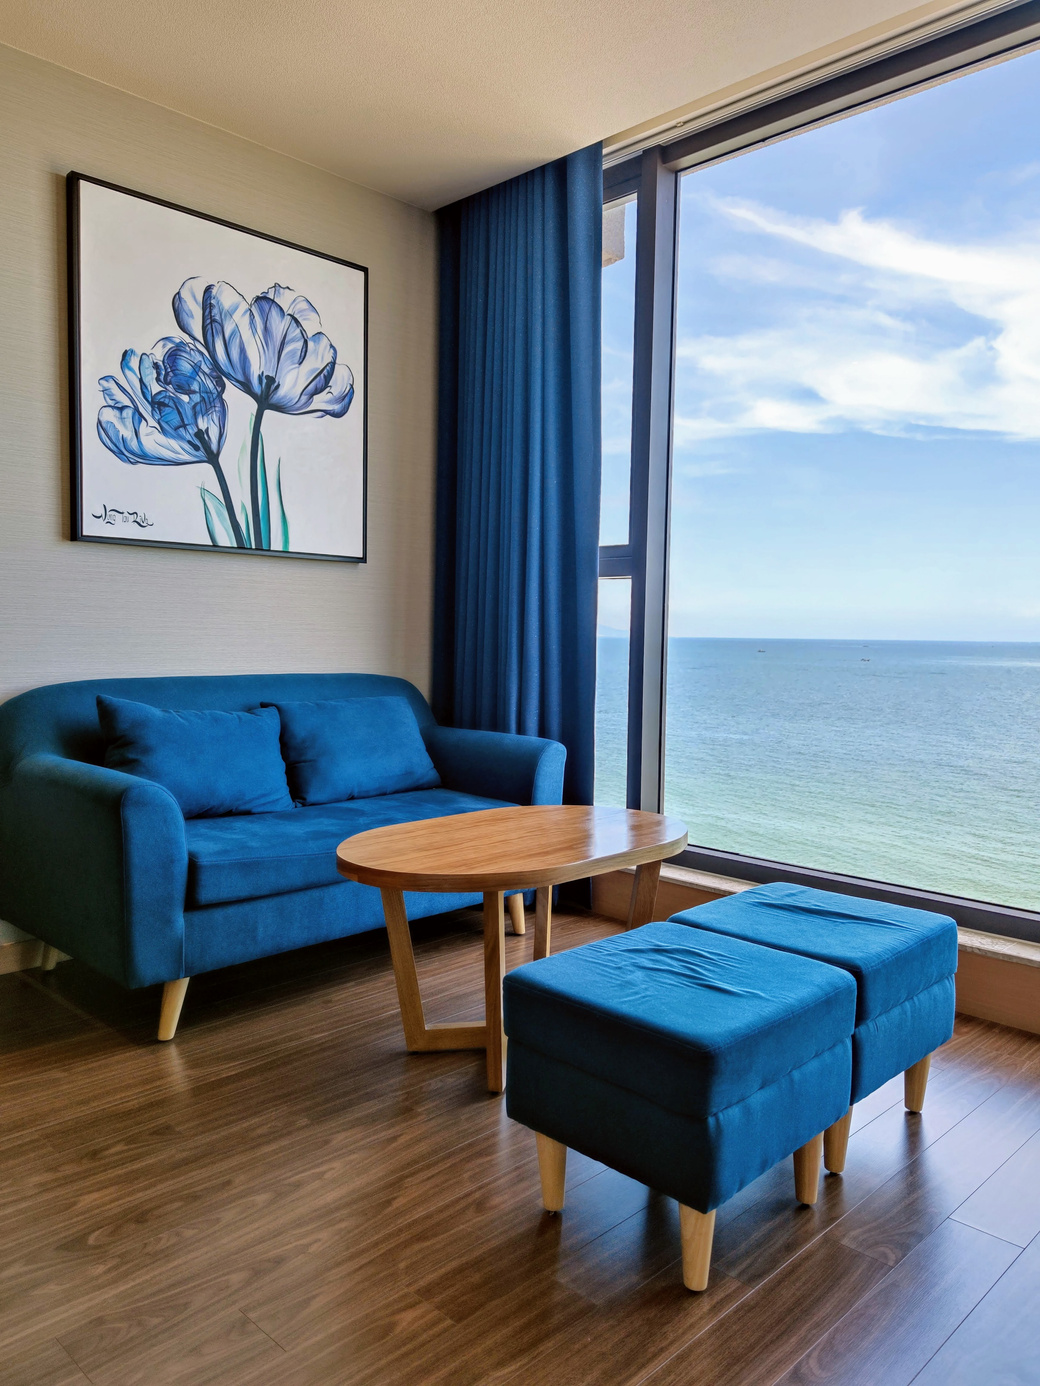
[272, 347]
[167, 411]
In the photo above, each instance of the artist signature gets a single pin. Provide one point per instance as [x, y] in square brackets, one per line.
[128, 517]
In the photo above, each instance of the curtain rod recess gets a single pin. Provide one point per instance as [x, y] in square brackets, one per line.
[956, 38]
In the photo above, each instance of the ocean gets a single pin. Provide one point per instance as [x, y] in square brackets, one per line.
[914, 762]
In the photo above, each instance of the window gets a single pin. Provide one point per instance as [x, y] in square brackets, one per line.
[612, 649]
[849, 684]
[619, 306]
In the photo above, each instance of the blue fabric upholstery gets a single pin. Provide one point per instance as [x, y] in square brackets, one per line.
[353, 748]
[893, 952]
[518, 459]
[889, 1043]
[213, 763]
[690, 1064]
[95, 861]
[903, 961]
[245, 858]
[680, 1018]
[521, 769]
[701, 1162]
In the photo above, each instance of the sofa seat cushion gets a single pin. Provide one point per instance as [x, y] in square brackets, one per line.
[694, 1022]
[273, 853]
[893, 952]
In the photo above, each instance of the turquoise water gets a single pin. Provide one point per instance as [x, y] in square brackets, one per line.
[916, 762]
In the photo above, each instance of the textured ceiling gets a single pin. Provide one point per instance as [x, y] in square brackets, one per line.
[428, 101]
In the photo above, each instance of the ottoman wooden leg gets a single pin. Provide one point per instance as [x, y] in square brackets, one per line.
[836, 1143]
[807, 1170]
[915, 1080]
[552, 1167]
[696, 1231]
[516, 914]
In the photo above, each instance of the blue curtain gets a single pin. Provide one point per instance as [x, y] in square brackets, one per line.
[519, 459]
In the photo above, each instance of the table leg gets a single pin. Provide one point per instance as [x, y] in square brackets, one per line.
[644, 894]
[418, 1036]
[542, 921]
[405, 975]
[494, 973]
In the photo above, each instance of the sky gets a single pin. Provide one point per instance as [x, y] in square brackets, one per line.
[857, 419]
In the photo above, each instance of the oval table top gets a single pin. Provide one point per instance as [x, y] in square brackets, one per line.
[508, 848]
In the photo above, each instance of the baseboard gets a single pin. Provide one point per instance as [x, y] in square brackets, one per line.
[998, 978]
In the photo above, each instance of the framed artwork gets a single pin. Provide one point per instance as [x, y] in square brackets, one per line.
[219, 382]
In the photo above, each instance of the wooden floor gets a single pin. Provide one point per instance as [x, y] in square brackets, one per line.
[282, 1197]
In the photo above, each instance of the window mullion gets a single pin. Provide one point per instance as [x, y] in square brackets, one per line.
[653, 369]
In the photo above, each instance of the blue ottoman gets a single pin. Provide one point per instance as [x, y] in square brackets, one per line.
[903, 961]
[689, 1061]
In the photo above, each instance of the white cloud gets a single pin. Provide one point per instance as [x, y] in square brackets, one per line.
[867, 355]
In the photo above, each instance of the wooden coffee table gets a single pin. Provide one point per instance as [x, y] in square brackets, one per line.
[494, 850]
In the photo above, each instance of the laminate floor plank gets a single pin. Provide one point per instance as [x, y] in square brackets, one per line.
[624, 1340]
[757, 1244]
[998, 1343]
[214, 1352]
[768, 1330]
[983, 1043]
[890, 1334]
[430, 1348]
[909, 1206]
[357, 1197]
[41, 1364]
[889, 1095]
[1007, 1205]
[285, 1197]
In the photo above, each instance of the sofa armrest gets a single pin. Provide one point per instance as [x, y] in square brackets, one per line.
[498, 765]
[95, 863]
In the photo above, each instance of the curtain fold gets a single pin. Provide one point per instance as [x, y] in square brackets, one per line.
[518, 481]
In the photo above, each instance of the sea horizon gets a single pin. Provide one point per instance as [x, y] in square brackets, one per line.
[916, 763]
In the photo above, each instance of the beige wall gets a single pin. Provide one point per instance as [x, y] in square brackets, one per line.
[70, 611]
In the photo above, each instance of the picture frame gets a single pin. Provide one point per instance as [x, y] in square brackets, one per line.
[218, 383]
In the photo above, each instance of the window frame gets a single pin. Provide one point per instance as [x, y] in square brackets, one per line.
[653, 175]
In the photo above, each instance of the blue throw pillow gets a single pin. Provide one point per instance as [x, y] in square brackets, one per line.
[212, 763]
[353, 748]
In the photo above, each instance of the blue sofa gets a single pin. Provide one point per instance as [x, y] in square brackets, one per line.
[102, 865]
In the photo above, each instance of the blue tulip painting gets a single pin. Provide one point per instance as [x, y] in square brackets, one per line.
[219, 398]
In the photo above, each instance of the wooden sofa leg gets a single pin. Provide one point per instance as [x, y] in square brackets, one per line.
[696, 1231]
[915, 1081]
[552, 1167]
[516, 913]
[836, 1143]
[172, 1001]
[49, 958]
[807, 1170]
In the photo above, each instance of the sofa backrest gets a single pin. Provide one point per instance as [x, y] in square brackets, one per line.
[61, 718]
